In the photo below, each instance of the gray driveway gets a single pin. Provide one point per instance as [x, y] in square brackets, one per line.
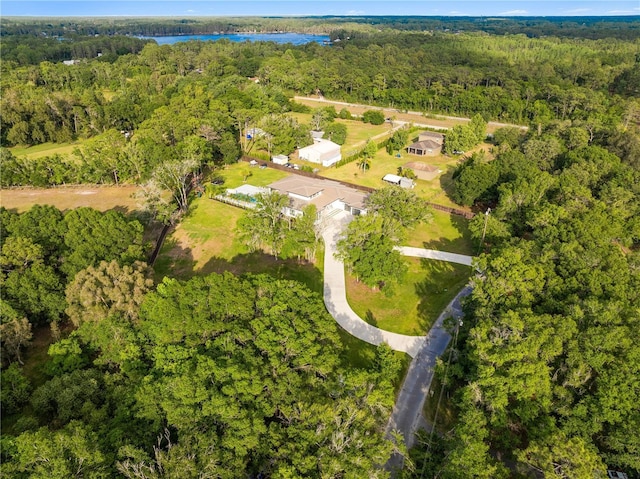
[335, 299]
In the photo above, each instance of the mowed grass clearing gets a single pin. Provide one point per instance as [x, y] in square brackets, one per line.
[416, 302]
[45, 149]
[446, 232]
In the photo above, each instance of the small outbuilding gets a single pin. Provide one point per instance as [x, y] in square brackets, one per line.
[325, 152]
[280, 159]
[425, 148]
[422, 170]
[399, 180]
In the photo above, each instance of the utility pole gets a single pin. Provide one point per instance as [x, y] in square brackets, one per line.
[484, 230]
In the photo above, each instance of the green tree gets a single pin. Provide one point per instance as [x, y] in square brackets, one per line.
[367, 248]
[398, 140]
[15, 389]
[459, 138]
[71, 452]
[398, 204]
[336, 132]
[375, 117]
[265, 224]
[93, 236]
[107, 289]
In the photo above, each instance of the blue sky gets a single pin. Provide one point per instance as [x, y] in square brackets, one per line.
[318, 7]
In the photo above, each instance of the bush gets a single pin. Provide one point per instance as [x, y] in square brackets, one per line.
[375, 117]
[336, 132]
[345, 114]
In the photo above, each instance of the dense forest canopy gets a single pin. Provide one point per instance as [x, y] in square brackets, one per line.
[225, 375]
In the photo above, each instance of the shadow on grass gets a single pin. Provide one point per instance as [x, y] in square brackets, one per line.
[173, 261]
[370, 318]
[462, 243]
[260, 263]
[446, 181]
[442, 283]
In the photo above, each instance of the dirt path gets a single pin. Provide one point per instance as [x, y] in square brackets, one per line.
[416, 117]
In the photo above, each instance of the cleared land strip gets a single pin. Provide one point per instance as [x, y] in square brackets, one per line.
[438, 121]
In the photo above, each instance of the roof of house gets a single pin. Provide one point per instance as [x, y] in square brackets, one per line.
[425, 145]
[330, 192]
[432, 134]
[322, 146]
[420, 166]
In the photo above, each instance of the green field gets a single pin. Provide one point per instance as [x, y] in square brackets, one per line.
[446, 232]
[416, 303]
[45, 149]
[234, 175]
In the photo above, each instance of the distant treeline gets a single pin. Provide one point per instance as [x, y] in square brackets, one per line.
[623, 27]
[27, 49]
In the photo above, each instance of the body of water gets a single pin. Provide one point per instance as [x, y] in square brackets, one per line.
[295, 38]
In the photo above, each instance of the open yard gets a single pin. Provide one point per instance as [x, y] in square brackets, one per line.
[102, 198]
[416, 303]
[45, 149]
[446, 232]
[357, 131]
[435, 191]
[205, 241]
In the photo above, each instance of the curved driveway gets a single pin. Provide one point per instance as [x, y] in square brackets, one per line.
[335, 296]
[335, 299]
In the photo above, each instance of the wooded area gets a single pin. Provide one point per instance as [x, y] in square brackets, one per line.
[222, 375]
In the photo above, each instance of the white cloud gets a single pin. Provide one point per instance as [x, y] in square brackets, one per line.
[620, 12]
[579, 10]
[514, 12]
[355, 12]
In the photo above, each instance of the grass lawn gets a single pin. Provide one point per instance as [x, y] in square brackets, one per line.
[446, 232]
[416, 303]
[45, 149]
[205, 242]
[358, 133]
[235, 174]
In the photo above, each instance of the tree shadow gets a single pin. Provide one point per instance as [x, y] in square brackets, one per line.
[173, 261]
[125, 210]
[370, 318]
[446, 180]
[259, 262]
[441, 284]
[462, 243]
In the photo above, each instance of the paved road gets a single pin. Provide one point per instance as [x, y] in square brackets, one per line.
[406, 417]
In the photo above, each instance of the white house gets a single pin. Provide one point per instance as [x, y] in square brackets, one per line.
[325, 152]
[329, 197]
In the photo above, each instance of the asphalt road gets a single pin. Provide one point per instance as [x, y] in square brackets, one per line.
[407, 412]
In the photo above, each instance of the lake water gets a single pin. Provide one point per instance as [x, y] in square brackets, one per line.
[294, 38]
